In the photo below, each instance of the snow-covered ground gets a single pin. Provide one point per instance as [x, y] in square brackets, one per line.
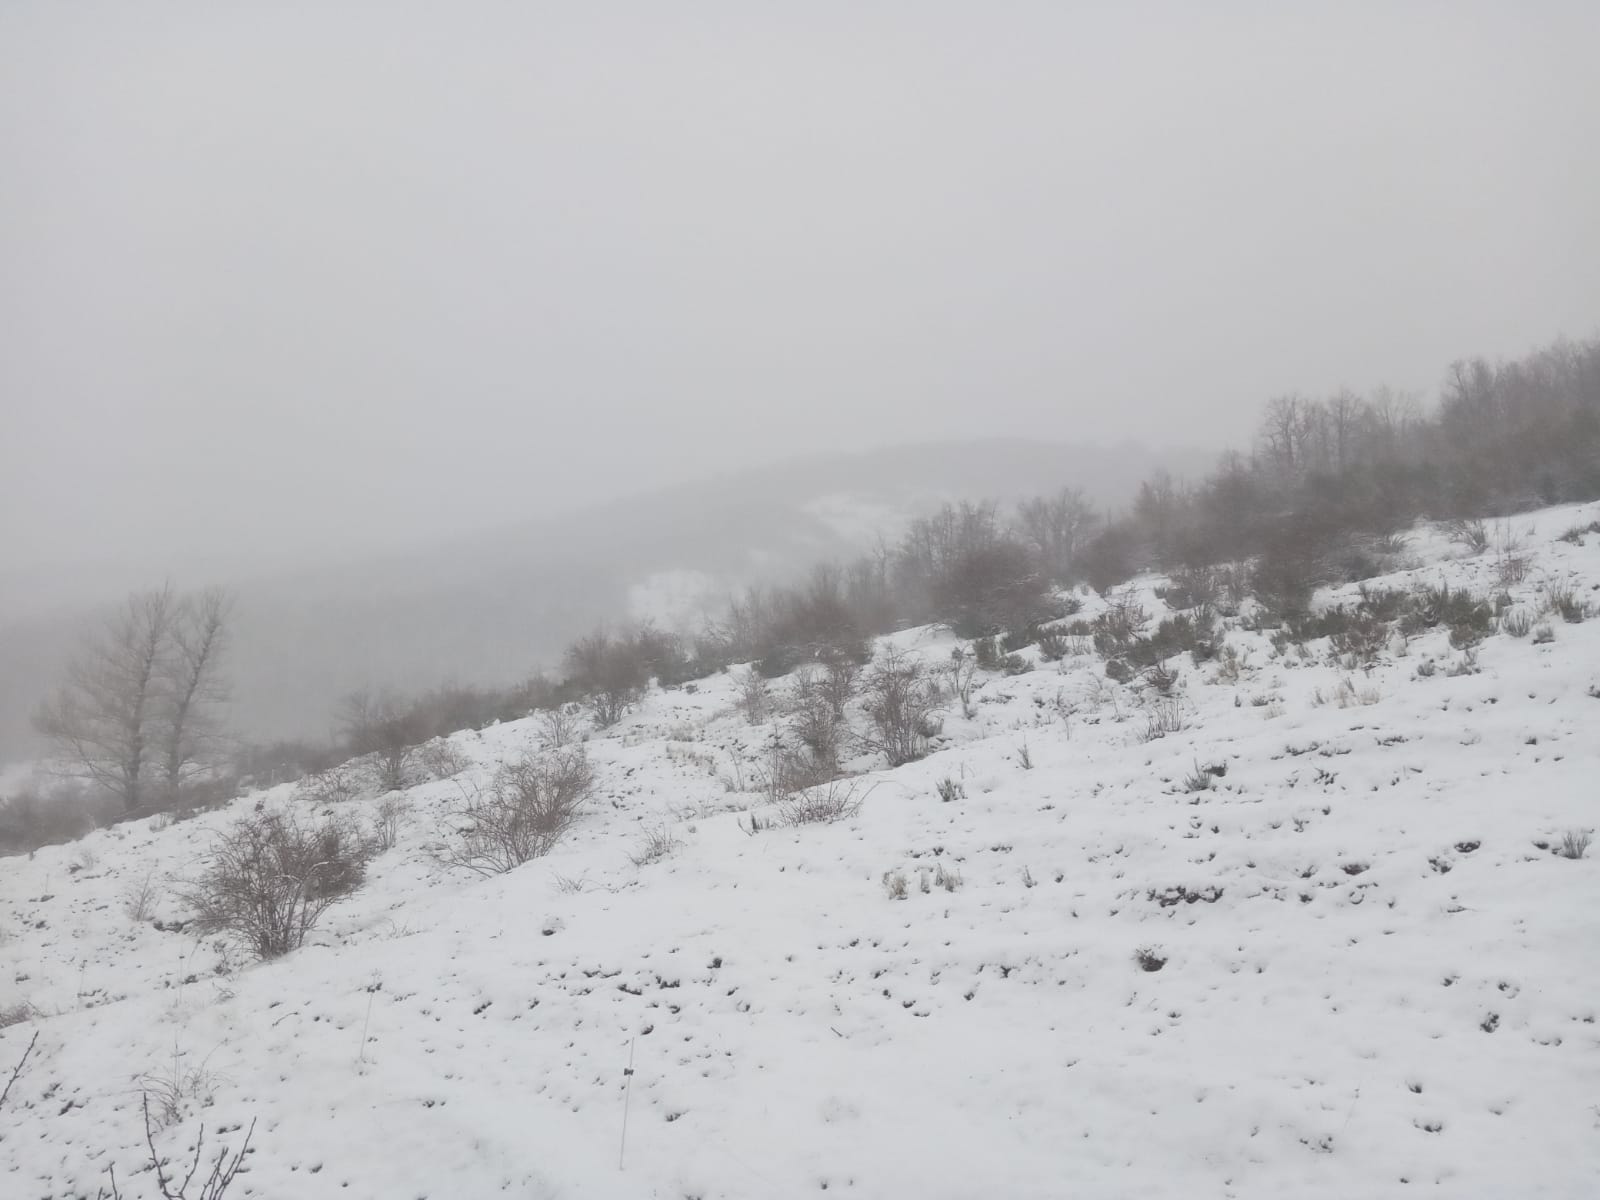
[1376, 977]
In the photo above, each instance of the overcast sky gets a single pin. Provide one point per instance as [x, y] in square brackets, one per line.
[288, 275]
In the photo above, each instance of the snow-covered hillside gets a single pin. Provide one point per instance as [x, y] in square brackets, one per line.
[1351, 966]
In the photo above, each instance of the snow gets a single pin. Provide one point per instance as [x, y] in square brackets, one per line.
[1375, 982]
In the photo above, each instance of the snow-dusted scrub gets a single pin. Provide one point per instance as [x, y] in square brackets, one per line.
[1285, 949]
[901, 697]
[524, 811]
[269, 878]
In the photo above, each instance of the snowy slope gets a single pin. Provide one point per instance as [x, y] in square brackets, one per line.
[1374, 980]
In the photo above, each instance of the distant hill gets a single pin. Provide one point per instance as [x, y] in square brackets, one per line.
[489, 606]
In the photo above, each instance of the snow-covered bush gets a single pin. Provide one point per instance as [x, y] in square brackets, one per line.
[269, 878]
[525, 810]
[1574, 843]
[900, 700]
[755, 697]
[441, 759]
[823, 804]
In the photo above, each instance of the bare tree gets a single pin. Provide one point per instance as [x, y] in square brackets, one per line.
[1057, 527]
[194, 687]
[612, 671]
[1284, 432]
[1345, 417]
[106, 720]
[380, 725]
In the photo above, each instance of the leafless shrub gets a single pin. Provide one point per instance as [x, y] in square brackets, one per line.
[1166, 717]
[786, 770]
[380, 727]
[1162, 678]
[1349, 696]
[336, 785]
[214, 1186]
[1053, 646]
[1391, 545]
[441, 759]
[963, 671]
[139, 897]
[658, 844]
[946, 877]
[1511, 567]
[900, 700]
[1516, 623]
[269, 879]
[755, 697]
[387, 822]
[1190, 587]
[1025, 756]
[838, 681]
[524, 811]
[895, 883]
[557, 728]
[1233, 585]
[1574, 843]
[816, 721]
[1230, 665]
[1472, 535]
[84, 860]
[1562, 599]
[1543, 634]
[612, 671]
[175, 1086]
[837, 800]
[391, 767]
[950, 789]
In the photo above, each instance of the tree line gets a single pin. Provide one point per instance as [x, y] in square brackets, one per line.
[140, 712]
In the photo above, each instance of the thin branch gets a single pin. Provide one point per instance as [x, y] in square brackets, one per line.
[21, 1063]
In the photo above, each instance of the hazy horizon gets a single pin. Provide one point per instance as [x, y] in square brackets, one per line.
[289, 279]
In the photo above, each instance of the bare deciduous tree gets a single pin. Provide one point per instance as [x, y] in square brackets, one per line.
[105, 721]
[1056, 527]
[380, 725]
[1284, 431]
[612, 671]
[194, 688]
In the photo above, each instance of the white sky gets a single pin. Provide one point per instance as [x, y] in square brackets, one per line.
[286, 277]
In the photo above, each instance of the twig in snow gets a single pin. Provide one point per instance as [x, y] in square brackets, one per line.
[22, 1062]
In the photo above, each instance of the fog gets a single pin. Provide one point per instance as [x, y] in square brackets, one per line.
[284, 281]
[397, 320]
